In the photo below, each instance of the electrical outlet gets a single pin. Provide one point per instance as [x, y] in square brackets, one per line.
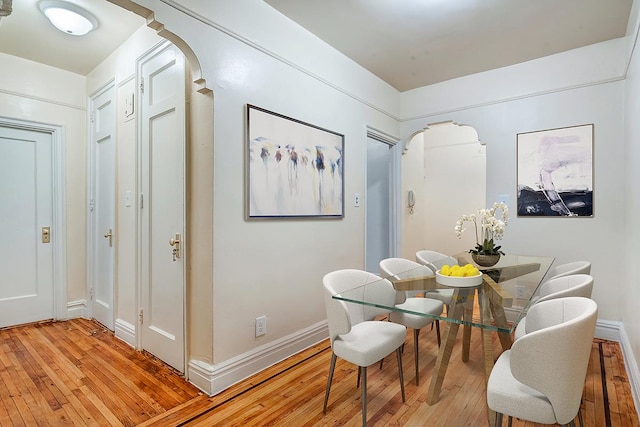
[356, 200]
[521, 292]
[261, 326]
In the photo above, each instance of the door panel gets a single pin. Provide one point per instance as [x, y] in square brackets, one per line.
[162, 127]
[103, 138]
[26, 263]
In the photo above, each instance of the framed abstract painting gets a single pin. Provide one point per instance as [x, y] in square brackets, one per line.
[294, 169]
[555, 172]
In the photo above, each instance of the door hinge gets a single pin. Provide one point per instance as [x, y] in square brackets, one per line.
[92, 117]
[141, 316]
[141, 84]
[140, 201]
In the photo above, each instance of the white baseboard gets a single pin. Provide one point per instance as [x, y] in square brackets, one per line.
[77, 309]
[126, 332]
[213, 379]
[608, 330]
[631, 366]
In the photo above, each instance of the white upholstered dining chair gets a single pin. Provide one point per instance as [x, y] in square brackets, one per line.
[400, 268]
[541, 378]
[354, 334]
[575, 267]
[575, 285]
[435, 260]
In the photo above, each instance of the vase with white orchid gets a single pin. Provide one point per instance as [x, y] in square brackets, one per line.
[488, 228]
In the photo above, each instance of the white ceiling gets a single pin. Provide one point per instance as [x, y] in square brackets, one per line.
[28, 34]
[407, 43]
[413, 43]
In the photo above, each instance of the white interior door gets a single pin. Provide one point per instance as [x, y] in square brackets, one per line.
[162, 115]
[26, 209]
[378, 203]
[103, 154]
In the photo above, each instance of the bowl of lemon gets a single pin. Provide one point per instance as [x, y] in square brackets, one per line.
[458, 276]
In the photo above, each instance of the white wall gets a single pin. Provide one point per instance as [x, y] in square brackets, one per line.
[250, 54]
[630, 283]
[564, 238]
[275, 267]
[587, 85]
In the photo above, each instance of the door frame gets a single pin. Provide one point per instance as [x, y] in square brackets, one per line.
[91, 194]
[58, 234]
[395, 151]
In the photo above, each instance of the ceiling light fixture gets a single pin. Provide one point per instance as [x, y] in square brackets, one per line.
[68, 17]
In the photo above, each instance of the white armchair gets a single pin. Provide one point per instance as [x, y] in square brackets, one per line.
[542, 377]
[401, 268]
[576, 267]
[576, 285]
[353, 333]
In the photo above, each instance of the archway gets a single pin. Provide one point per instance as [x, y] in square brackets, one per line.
[443, 175]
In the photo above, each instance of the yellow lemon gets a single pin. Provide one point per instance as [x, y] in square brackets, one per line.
[445, 270]
[458, 273]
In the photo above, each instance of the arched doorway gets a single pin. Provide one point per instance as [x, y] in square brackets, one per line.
[443, 176]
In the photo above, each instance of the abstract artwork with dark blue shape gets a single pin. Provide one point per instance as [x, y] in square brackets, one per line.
[555, 172]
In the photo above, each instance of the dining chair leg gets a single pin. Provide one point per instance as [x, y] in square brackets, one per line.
[438, 331]
[331, 369]
[363, 370]
[580, 418]
[416, 332]
[510, 421]
[400, 375]
[358, 382]
[498, 419]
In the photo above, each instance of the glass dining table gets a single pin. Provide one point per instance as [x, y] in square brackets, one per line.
[495, 305]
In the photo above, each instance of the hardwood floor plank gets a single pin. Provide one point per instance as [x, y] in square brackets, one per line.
[77, 373]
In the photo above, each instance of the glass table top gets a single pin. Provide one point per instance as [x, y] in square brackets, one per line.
[506, 289]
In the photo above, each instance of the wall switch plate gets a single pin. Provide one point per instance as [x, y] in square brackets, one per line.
[261, 326]
[356, 200]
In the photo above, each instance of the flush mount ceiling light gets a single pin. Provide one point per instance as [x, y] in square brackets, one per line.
[68, 17]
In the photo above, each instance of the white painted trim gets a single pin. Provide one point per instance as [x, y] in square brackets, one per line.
[126, 332]
[59, 242]
[76, 309]
[631, 366]
[213, 379]
[608, 330]
[41, 99]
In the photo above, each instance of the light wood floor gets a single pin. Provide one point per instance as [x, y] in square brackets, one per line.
[77, 373]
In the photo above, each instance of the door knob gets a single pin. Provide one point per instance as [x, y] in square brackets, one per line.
[109, 235]
[46, 234]
[175, 242]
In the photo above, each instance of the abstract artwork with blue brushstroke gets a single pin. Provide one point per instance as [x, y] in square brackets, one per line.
[295, 169]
